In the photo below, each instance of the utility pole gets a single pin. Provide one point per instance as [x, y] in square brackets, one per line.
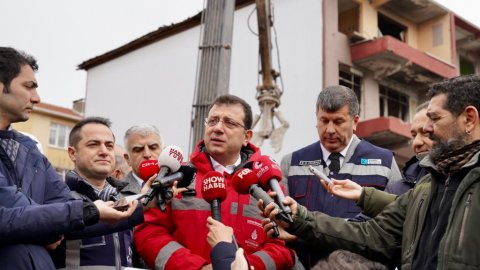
[213, 68]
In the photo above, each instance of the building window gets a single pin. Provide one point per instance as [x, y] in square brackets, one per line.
[351, 80]
[437, 35]
[393, 103]
[466, 67]
[389, 27]
[58, 135]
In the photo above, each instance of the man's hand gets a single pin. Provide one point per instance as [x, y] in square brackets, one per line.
[110, 215]
[148, 184]
[54, 245]
[346, 189]
[217, 232]
[207, 267]
[271, 212]
[152, 203]
[283, 235]
[176, 190]
[240, 263]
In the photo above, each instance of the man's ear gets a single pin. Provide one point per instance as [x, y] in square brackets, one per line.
[248, 136]
[127, 158]
[471, 118]
[71, 153]
[356, 118]
[117, 174]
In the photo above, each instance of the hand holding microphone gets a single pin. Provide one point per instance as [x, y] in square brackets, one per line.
[269, 174]
[169, 162]
[245, 182]
[214, 192]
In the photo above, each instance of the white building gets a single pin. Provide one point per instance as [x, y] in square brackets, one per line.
[152, 79]
[388, 52]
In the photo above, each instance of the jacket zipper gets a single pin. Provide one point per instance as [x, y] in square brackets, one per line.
[116, 244]
[417, 218]
[464, 220]
[432, 233]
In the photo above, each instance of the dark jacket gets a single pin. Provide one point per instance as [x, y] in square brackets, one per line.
[222, 256]
[372, 201]
[412, 173]
[132, 188]
[100, 244]
[397, 230]
[35, 207]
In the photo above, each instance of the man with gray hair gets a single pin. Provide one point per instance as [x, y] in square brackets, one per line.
[142, 142]
[340, 154]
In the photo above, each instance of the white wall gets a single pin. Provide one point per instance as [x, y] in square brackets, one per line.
[155, 84]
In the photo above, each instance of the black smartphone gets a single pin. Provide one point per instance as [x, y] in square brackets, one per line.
[122, 204]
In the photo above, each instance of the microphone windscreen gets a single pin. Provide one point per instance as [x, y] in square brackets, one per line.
[147, 168]
[171, 157]
[265, 168]
[243, 179]
[213, 187]
[189, 172]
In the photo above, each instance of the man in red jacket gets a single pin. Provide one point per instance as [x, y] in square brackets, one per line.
[177, 238]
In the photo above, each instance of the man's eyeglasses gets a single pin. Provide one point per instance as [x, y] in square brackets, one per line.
[229, 123]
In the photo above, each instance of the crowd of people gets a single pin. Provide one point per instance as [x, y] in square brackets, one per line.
[371, 215]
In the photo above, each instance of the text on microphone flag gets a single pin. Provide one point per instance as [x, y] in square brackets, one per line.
[175, 153]
[213, 182]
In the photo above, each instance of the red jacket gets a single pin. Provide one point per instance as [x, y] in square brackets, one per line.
[177, 239]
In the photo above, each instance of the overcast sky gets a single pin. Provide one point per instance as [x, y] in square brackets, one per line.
[63, 33]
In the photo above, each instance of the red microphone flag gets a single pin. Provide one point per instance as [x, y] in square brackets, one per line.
[213, 187]
[147, 168]
[243, 179]
[266, 169]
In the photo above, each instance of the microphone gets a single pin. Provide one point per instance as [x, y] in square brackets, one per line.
[214, 192]
[147, 168]
[169, 161]
[269, 174]
[167, 181]
[189, 173]
[184, 176]
[245, 181]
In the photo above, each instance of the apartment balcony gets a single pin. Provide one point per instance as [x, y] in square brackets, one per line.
[392, 59]
[386, 132]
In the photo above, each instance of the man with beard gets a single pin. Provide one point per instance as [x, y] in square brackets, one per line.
[435, 224]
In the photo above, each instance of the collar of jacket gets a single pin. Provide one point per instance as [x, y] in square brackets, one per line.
[131, 184]
[428, 164]
[77, 183]
[19, 137]
[412, 171]
[200, 157]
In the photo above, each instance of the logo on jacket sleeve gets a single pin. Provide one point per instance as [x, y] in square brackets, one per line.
[370, 161]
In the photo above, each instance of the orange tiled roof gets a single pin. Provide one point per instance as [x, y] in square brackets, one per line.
[57, 110]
